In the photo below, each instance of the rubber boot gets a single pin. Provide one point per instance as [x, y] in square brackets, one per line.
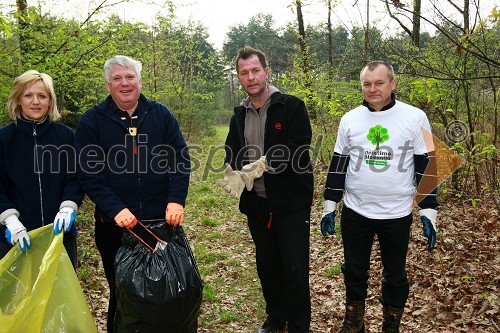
[392, 319]
[353, 318]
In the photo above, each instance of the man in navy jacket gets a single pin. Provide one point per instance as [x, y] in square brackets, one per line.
[134, 162]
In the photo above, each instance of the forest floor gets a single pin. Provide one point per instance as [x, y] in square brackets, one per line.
[455, 288]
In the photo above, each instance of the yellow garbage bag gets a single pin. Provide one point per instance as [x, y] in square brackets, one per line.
[39, 289]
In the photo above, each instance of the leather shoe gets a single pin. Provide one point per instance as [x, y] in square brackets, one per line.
[268, 330]
[270, 326]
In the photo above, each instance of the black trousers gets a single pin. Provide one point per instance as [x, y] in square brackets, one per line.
[282, 257]
[358, 233]
[72, 249]
[108, 238]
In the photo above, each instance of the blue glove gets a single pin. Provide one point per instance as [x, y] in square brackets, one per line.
[428, 217]
[64, 220]
[328, 218]
[16, 232]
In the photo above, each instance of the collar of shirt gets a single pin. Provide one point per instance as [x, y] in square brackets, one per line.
[387, 107]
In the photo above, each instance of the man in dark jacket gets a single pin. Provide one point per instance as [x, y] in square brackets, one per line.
[267, 150]
[134, 162]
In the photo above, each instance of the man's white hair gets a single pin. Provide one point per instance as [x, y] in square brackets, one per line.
[123, 61]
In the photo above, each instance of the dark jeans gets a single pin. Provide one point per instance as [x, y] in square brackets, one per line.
[108, 238]
[393, 235]
[69, 244]
[282, 256]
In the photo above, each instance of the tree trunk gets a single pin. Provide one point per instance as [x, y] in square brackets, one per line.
[466, 17]
[330, 48]
[367, 31]
[302, 36]
[330, 38]
[415, 36]
[22, 21]
[305, 60]
[155, 65]
[414, 33]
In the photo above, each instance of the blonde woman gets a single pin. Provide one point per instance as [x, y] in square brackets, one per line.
[38, 184]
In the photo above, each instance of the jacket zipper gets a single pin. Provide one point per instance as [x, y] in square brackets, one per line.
[241, 136]
[135, 151]
[38, 172]
[136, 158]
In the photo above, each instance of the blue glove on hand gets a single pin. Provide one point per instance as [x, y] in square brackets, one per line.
[64, 220]
[328, 219]
[16, 233]
[428, 217]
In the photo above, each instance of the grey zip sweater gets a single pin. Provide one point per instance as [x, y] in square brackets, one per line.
[255, 128]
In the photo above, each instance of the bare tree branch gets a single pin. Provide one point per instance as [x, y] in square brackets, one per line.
[456, 6]
[394, 17]
[96, 10]
[458, 41]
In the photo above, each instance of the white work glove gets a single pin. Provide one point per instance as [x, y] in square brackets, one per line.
[64, 220]
[232, 183]
[428, 217]
[328, 218]
[16, 232]
[255, 170]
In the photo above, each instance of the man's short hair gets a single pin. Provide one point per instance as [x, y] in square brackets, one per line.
[374, 64]
[246, 52]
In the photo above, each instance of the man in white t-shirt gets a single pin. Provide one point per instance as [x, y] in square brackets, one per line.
[382, 147]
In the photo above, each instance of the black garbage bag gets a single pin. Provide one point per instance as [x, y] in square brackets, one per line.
[157, 291]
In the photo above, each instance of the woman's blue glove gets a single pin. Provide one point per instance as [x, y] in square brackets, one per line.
[64, 220]
[16, 232]
[428, 217]
[328, 218]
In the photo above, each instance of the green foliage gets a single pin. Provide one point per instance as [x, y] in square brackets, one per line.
[228, 316]
[260, 33]
[207, 221]
[334, 271]
[465, 278]
[180, 68]
[209, 294]
[452, 75]
[188, 74]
